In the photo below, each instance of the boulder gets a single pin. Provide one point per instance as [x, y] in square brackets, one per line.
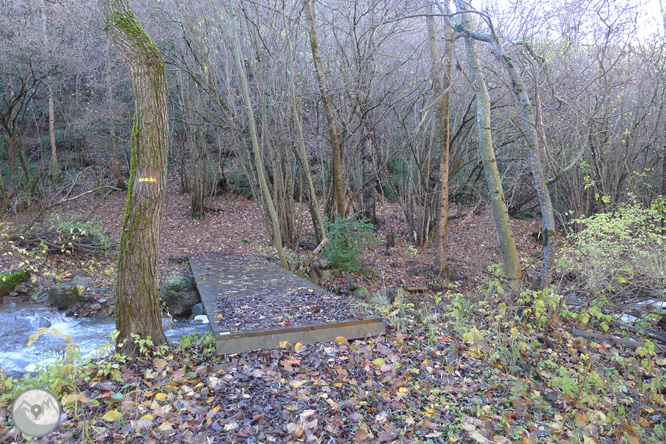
[81, 281]
[63, 296]
[325, 264]
[391, 294]
[326, 275]
[380, 299]
[22, 288]
[179, 295]
[314, 278]
[362, 293]
[10, 279]
[197, 309]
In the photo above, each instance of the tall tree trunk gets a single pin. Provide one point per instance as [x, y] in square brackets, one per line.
[369, 198]
[198, 172]
[137, 303]
[3, 191]
[301, 153]
[13, 170]
[55, 168]
[277, 236]
[16, 147]
[192, 127]
[507, 242]
[442, 94]
[663, 166]
[338, 184]
[120, 182]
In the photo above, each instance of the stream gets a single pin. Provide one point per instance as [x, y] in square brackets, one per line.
[18, 323]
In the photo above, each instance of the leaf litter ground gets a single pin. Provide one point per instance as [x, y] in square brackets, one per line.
[422, 382]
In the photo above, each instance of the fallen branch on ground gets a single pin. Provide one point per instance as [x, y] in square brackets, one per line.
[310, 259]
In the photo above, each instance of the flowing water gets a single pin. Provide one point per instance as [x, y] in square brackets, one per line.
[17, 324]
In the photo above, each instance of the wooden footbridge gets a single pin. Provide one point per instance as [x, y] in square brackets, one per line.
[252, 304]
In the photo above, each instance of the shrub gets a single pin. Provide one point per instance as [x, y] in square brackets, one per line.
[620, 247]
[93, 230]
[346, 241]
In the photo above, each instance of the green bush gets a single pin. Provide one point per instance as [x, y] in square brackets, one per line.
[623, 246]
[239, 183]
[346, 241]
[93, 230]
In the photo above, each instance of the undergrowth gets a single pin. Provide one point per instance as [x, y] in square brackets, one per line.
[578, 389]
[347, 239]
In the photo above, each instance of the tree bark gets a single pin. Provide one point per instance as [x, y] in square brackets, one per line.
[120, 182]
[137, 304]
[338, 184]
[548, 233]
[530, 133]
[663, 160]
[192, 127]
[55, 168]
[442, 93]
[369, 198]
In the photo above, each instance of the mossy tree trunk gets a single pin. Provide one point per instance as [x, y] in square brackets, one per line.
[120, 182]
[137, 304]
[507, 242]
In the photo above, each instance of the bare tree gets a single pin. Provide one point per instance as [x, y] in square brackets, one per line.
[442, 97]
[277, 236]
[334, 138]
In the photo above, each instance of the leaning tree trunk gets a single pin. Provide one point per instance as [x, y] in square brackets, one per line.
[301, 153]
[512, 268]
[277, 235]
[530, 133]
[137, 304]
[338, 184]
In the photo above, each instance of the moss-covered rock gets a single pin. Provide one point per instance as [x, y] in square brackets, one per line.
[10, 279]
[63, 296]
[178, 294]
[362, 293]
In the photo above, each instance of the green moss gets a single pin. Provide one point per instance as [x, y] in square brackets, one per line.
[173, 283]
[10, 279]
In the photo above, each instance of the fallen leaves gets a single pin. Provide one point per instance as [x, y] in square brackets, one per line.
[112, 415]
